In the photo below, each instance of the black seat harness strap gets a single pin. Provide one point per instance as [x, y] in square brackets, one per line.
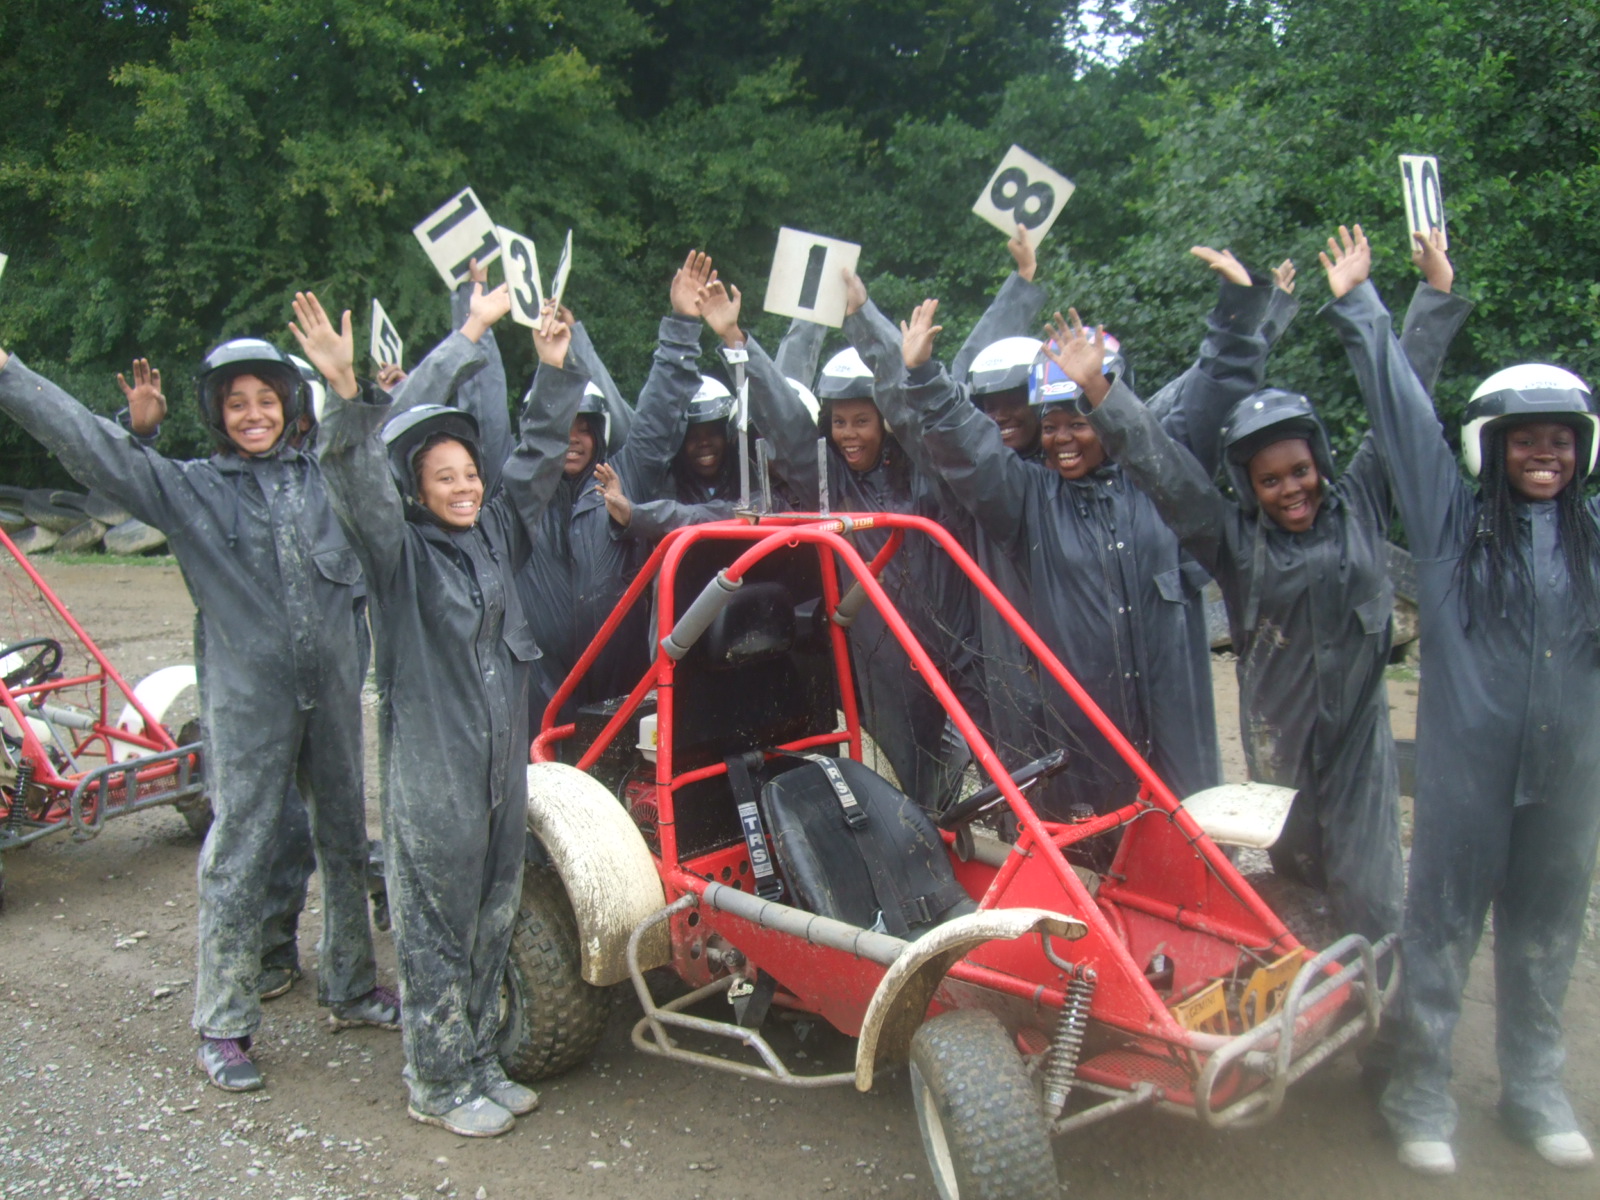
[854, 815]
[768, 885]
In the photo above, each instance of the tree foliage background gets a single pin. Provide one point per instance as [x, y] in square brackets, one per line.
[170, 172]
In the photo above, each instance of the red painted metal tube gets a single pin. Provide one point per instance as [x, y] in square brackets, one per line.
[82, 636]
[623, 607]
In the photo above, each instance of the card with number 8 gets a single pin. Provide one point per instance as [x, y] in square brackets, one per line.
[1023, 191]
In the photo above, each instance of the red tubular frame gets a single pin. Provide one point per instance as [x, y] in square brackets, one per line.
[1036, 838]
[154, 737]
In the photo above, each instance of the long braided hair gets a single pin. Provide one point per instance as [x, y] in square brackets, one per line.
[1494, 568]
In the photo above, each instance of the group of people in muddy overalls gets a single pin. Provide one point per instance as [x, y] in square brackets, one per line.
[407, 522]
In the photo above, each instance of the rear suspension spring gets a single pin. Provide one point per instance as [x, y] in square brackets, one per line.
[1061, 1066]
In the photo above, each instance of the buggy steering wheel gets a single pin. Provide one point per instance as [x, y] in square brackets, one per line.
[963, 811]
[41, 666]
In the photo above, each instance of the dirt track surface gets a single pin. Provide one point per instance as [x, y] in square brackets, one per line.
[102, 1097]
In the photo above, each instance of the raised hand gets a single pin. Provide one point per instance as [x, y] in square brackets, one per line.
[478, 272]
[1223, 263]
[390, 376]
[855, 292]
[618, 505]
[1351, 263]
[695, 273]
[552, 337]
[147, 407]
[1080, 354]
[1429, 257]
[331, 351]
[917, 334]
[485, 310]
[719, 306]
[1283, 276]
[1022, 250]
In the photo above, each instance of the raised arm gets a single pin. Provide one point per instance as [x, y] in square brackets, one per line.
[1014, 311]
[1283, 306]
[674, 378]
[987, 479]
[1132, 435]
[775, 410]
[801, 351]
[585, 359]
[790, 430]
[1435, 314]
[1428, 488]
[534, 468]
[1231, 364]
[439, 376]
[96, 452]
[483, 393]
[350, 446]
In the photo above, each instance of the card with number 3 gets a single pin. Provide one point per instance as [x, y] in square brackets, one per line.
[1023, 191]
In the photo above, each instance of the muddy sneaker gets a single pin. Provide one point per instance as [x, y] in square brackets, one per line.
[379, 1008]
[513, 1097]
[478, 1117]
[275, 981]
[227, 1065]
[1569, 1150]
[1428, 1158]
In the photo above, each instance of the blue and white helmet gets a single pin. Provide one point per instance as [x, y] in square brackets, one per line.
[1049, 387]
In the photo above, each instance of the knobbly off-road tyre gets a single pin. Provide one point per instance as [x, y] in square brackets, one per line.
[983, 1128]
[552, 1017]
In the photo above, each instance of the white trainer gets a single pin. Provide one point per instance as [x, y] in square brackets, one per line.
[1428, 1158]
[1569, 1150]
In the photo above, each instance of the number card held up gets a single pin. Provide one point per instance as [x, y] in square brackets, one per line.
[3, 261]
[1023, 191]
[386, 345]
[807, 279]
[456, 234]
[1419, 180]
[522, 274]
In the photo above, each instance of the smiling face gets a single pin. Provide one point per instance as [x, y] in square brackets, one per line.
[252, 414]
[1287, 484]
[1015, 417]
[1541, 459]
[703, 447]
[580, 448]
[448, 484]
[1069, 443]
[857, 432]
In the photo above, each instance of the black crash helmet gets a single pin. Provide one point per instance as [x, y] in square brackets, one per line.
[1264, 419]
[316, 387]
[249, 356]
[404, 435]
[1527, 393]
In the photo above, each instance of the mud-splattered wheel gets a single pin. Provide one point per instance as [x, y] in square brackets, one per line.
[196, 810]
[982, 1126]
[552, 1018]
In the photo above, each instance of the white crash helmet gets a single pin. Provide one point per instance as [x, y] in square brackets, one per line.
[1525, 393]
[1003, 366]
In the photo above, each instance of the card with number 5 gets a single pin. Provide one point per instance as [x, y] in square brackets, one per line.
[1023, 191]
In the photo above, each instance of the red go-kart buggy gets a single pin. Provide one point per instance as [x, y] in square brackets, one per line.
[68, 761]
[1029, 994]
